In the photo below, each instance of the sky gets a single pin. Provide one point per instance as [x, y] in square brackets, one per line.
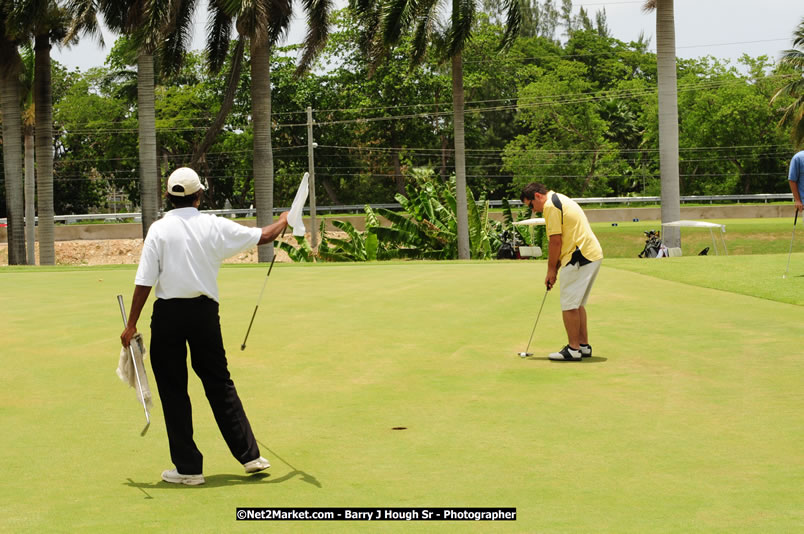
[725, 29]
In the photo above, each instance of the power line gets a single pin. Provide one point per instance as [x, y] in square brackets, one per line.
[521, 103]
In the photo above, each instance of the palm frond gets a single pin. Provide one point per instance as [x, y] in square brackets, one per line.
[460, 30]
[318, 13]
[396, 18]
[426, 18]
[178, 35]
[367, 13]
[219, 30]
[793, 58]
[279, 14]
[794, 112]
[253, 19]
[798, 34]
[649, 6]
[513, 23]
[84, 15]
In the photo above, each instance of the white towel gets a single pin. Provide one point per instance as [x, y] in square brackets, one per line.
[125, 368]
[295, 215]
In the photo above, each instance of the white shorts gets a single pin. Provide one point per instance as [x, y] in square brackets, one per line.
[576, 283]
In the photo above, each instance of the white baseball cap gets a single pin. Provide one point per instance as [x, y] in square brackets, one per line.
[184, 182]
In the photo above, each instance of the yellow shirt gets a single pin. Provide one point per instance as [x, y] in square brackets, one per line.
[575, 230]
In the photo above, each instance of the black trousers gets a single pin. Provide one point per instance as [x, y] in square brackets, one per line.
[176, 323]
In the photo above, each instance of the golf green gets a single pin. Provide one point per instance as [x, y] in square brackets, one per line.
[687, 418]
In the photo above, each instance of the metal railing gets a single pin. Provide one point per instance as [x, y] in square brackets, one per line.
[358, 208]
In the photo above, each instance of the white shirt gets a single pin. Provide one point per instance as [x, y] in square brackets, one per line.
[184, 250]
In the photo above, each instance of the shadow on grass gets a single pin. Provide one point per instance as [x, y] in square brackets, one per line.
[211, 481]
[217, 481]
[591, 359]
[305, 477]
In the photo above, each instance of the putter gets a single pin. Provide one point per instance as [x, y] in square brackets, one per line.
[526, 353]
[795, 219]
[259, 299]
[136, 372]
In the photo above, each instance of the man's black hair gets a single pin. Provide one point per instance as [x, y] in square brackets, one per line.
[531, 189]
[184, 202]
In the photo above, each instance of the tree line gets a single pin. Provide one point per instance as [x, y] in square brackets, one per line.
[577, 110]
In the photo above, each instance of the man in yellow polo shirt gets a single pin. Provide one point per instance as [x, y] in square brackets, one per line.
[575, 251]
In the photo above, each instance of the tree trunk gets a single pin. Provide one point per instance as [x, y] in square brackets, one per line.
[399, 180]
[333, 197]
[460, 157]
[232, 82]
[30, 195]
[43, 106]
[12, 161]
[146, 115]
[668, 120]
[444, 149]
[263, 156]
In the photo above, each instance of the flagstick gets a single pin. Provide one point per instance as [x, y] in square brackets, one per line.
[259, 299]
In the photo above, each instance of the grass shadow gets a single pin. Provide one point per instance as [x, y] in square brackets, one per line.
[217, 481]
[591, 359]
[305, 477]
[211, 481]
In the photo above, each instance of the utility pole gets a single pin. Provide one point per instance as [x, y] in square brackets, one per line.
[311, 169]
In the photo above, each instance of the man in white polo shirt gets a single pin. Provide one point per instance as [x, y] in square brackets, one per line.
[574, 249]
[181, 257]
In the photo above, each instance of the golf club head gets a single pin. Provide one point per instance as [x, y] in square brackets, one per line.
[243, 347]
[524, 354]
[144, 430]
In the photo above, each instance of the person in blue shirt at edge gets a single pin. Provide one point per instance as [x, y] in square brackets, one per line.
[796, 179]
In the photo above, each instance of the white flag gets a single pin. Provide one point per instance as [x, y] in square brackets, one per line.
[295, 214]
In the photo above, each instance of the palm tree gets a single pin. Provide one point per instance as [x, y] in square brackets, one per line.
[47, 24]
[28, 120]
[145, 22]
[385, 24]
[263, 23]
[668, 116]
[10, 68]
[794, 113]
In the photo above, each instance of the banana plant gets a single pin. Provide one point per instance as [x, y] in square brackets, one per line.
[360, 246]
[427, 229]
[302, 254]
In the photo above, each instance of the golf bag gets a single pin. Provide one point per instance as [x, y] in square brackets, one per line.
[653, 245]
[507, 250]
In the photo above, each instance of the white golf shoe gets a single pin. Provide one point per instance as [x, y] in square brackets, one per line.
[566, 355]
[255, 466]
[174, 477]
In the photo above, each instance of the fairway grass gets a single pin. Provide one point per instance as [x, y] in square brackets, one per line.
[760, 276]
[687, 418]
[742, 237]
